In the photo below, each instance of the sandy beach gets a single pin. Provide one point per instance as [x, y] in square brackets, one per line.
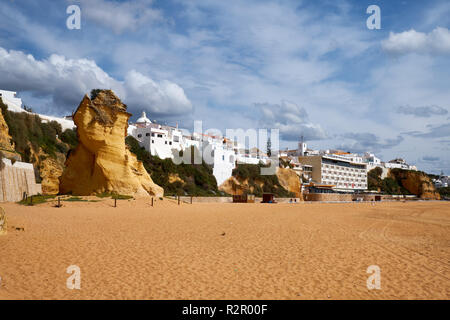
[226, 251]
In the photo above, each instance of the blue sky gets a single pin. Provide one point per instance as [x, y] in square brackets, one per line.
[305, 67]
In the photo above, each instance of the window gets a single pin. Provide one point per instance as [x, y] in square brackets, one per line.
[170, 142]
[165, 142]
[223, 158]
[153, 141]
[160, 135]
[147, 134]
[153, 134]
[176, 138]
[139, 135]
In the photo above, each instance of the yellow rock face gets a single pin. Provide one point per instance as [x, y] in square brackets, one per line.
[417, 183]
[290, 181]
[50, 170]
[101, 162]
[5, 138]
[234, 186]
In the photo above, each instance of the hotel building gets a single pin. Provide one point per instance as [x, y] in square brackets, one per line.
[339, 171]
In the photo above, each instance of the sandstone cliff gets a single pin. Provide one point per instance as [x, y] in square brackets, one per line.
[101, 162]
[285, 181]
[416, 182]
[5, 138]
[236, 186]
[50, 170]
[6, 144]
[290, 181]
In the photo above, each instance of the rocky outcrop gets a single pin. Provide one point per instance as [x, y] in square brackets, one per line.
[101, 162]
[416, 182]
[175, 177]
[285, 181]
[235, 186]
[5, 138]
[6, 144]
[290, 181]
[50, 170]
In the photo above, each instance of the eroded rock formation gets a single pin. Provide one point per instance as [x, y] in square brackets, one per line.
[416, 182]
[101, 162]
[290, 181]
[287, 179]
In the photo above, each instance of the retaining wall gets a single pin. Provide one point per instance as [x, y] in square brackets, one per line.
[230, 199]
[327, 197]
[17, 179]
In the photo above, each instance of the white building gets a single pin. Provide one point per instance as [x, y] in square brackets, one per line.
[372, 161]
[337, 171]
[13, 103]
[399, 163]
[159, 140]
[165, 141]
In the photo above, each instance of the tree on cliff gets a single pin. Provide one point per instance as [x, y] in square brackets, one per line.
[269, 148]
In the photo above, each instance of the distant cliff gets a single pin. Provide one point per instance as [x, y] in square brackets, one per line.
[416, 182]
[401, 181]
[247, 179]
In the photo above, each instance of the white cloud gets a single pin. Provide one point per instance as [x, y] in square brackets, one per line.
[164, 98]
[120, 16]
[291, 119]
[436, 41]
[67, 80]
[423, 111]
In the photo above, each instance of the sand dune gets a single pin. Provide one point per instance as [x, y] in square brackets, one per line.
[226, 251]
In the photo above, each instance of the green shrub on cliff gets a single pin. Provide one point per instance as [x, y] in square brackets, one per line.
[196, 179]
[374, 181]
[29, 131]
[444, 192]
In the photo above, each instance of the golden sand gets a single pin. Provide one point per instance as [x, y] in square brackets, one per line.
[226, 251]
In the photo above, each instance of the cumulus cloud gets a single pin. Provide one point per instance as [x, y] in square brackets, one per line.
[291, 119]
[164, 98]
[365, 141]
[422, 112]
[428, 158]
[65, 81]
[436, 41]
[120, 16]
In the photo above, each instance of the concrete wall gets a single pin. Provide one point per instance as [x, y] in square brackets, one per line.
[15, 179]
[229, 200]
[328, 197]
